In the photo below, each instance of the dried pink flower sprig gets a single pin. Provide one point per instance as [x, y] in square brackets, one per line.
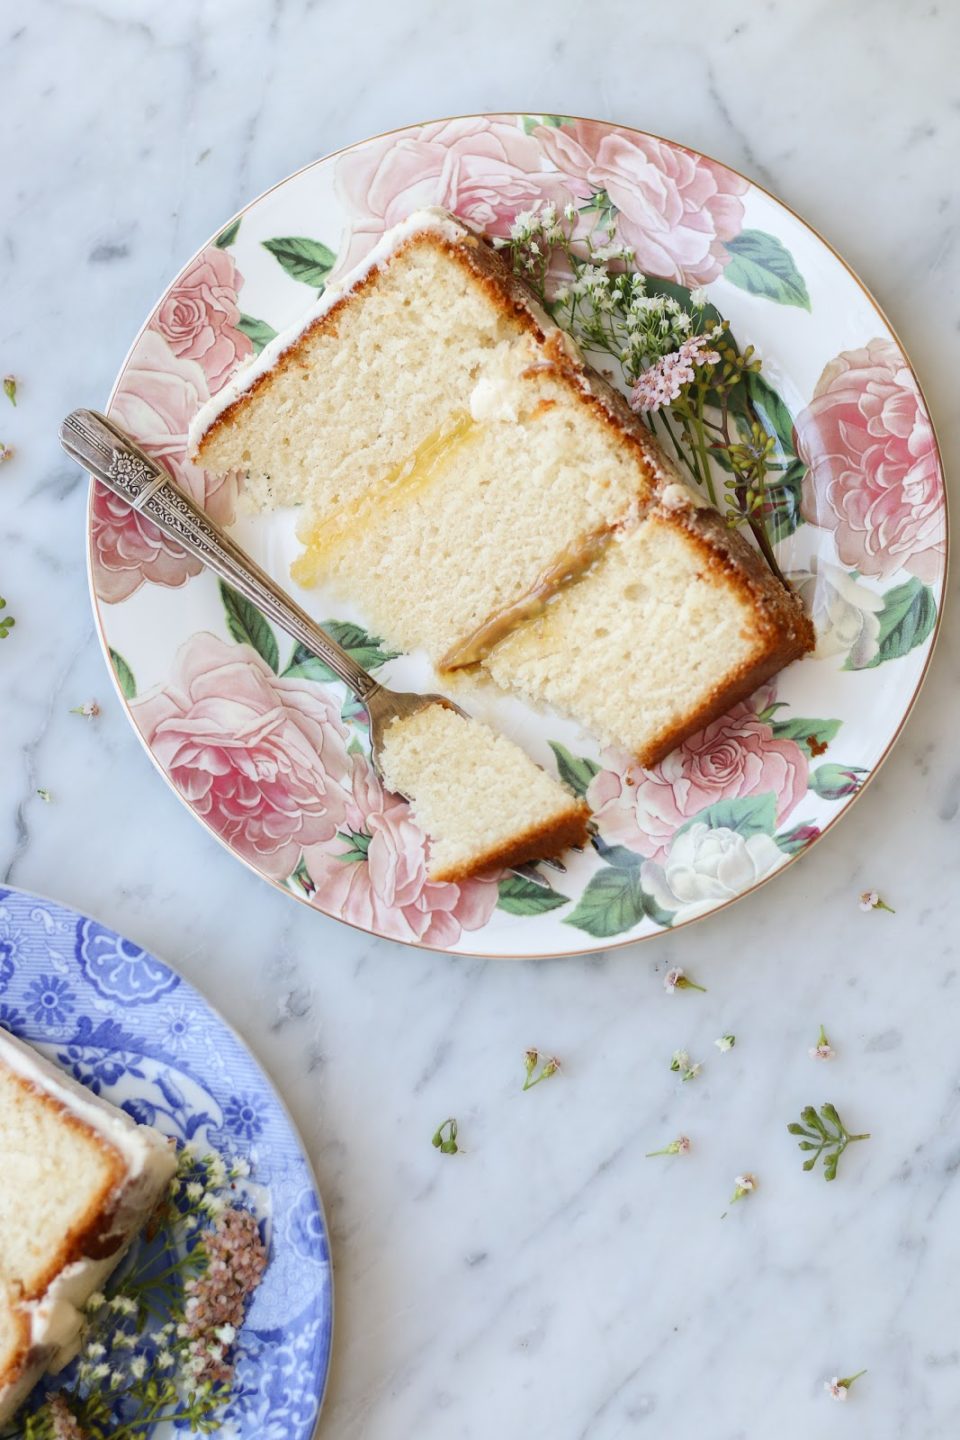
[664, 382]
[236, 1258]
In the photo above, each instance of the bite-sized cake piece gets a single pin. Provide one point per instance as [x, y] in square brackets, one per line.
[676, 622]
[479, 797]
[78, 1180]
[461, 468]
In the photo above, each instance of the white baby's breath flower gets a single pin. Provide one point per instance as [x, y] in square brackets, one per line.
[698, 297]
[95, 1350]
[226, 1334]
[194, 1190]
[123, 1340]
[839, 1388]
[569, 212]
[100, 1372]
[823, 1050]
[239, 1168]
[165, 1358]
[123, 1305]
[96, 1302]
[138, 1366]
[725, 1043]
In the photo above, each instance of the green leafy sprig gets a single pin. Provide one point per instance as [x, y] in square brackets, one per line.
[691, 382]
[824, 1135]
[445, 1138]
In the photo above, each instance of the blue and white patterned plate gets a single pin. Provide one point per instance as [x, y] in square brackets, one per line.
[133, 1030]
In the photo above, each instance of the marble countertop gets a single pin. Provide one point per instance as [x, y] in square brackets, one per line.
[551, 1280]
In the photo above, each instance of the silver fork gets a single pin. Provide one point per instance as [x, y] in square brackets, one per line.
[116, 460]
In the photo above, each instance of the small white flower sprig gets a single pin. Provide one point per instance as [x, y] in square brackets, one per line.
[680, 1146]
[837, 1388]
[676, 979]
[689, 379]
[89, 710]
[203, 1259]
[531, 1060]
[823, 1050]
[725, 1043]
[743, 1186]
[870, 900]
[686, 1068]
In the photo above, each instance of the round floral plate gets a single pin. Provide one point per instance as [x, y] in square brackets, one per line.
[133, 1030]
[272, 757]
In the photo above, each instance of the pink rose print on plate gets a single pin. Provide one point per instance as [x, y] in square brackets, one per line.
[676, 209]
[735, 756]
[484, 170]
[873, 476]
[158, 396]
[375, 876]
[199, 316]
[261, 759]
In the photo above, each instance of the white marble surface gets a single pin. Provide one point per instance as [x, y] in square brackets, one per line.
[550, 1281]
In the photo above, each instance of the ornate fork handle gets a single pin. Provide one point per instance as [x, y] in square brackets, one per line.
[103, 449]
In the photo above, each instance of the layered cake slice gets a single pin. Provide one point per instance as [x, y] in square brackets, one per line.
[78, 1181]
[479, 797]
[482, 493]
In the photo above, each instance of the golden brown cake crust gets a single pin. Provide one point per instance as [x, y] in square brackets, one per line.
[19, 1356]
[784, 631]
[538, 842]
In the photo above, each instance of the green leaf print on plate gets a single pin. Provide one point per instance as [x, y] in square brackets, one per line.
[574, 770]
[909, 614]
[813, 736]
[228, 235]
[308, 260]
[367, 650]
[519, 896]
[249, 627]
[125, 678]
[256, 330]
[613, 901]
[747, 815]
[762, 265]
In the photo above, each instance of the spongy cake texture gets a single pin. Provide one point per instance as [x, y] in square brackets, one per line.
[479, 797]
[481, 493]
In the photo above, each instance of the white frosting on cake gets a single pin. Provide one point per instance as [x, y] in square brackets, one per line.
[431, 219]
[56, 1318]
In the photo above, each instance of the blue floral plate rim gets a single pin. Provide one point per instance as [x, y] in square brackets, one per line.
[126, 1023]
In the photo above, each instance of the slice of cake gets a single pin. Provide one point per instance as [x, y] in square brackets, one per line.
[676, 622]
[78, 1181]
[479, 797]
[463, 472]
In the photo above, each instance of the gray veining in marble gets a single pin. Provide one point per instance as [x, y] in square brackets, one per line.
[550, 1281]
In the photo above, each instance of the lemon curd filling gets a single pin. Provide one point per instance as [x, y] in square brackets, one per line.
[323, 540]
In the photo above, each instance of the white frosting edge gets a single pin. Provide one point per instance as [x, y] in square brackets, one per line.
[137, 1144]
[431, 219]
